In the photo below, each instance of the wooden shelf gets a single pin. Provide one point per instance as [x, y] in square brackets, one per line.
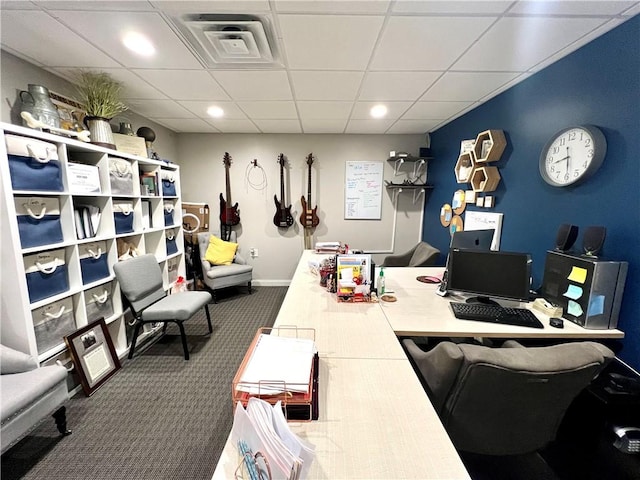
[496, 144]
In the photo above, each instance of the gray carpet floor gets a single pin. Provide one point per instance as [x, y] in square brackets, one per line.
[160, 417]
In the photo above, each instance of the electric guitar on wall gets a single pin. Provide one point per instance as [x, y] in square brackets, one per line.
[229, 215]
[283, 217]
[309, 217]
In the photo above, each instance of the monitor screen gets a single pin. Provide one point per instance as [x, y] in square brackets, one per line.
[472, 239]
[489, 274]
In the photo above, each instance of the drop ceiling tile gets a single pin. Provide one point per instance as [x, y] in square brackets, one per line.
[324, 110]
[107, 29]
[378, 126]
[318, 85]
[505, 87]
[199, 109]
[27, 31]
[315, 125]
[394, 110]
[233, 125]
[332, 6]
[635, 9]
[434, 110]
[18, 5]
[94, 5]
[254, 84]
[396, 85]
[159, 109]
[426, 43]
[466, 86]
[413, 126]
[270, 110]
[574, 7]
[187, 125]
[184, 84]
[551, 35]
[331, 42]
[278, 126]
[449, 7]
[217, 6]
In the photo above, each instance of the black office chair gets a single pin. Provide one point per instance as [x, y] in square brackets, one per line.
[508, 400]
[140, 280]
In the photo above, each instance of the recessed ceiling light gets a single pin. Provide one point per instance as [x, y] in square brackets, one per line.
[138, 43]
[378, 111]
[215, 112]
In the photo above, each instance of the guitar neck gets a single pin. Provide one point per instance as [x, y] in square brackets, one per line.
[282, 184]
[226, 173]
[309, 190]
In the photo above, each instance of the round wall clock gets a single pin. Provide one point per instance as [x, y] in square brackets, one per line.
[572, 155]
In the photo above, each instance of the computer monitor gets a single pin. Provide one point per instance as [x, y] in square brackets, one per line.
[472, 239]
[489, 274]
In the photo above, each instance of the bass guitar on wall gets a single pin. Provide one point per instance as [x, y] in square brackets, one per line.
[309, 217]
[283, 217]
[229, 214]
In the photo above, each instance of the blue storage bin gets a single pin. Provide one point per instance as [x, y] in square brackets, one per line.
[168, 184]
[172, 246]
[38, 221]
[33, 164]
[123, 217]
[168, 214]
[46, 273]
[93, 261]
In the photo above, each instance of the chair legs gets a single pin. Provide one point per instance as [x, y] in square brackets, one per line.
[206, 309]
[249, 285]
[136, 331]
[60, 416]
[184, 340]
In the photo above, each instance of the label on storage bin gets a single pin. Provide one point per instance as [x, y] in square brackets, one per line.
[44, 261]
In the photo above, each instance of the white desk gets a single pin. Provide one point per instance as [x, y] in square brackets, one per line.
[376, 421]
[420, 312]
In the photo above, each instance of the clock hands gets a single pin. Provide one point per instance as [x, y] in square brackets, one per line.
[563, 159]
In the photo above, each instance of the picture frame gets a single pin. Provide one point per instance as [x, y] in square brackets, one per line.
[70, 111]
[94, 356]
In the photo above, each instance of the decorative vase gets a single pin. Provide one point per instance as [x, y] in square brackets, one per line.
[37, 102]
[125, 129]
[100, 130]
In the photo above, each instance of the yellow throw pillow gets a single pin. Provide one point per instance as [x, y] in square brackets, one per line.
[220, 252]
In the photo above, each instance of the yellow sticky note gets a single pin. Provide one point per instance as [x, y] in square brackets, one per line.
[578, 274]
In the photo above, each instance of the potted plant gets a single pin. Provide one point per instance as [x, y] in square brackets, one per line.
[100, 96]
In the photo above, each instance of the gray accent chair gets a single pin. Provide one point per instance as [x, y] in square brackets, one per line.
[140, 280]
[29, 394]
[508, 400]
[216, 277]
[422, 255]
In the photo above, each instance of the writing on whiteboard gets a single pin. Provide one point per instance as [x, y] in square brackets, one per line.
[363, 190]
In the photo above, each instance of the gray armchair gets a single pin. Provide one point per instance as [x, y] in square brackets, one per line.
[216, 277]
[422, 255]
[508, 400]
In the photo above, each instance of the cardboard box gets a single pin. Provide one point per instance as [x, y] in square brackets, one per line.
[199, 210]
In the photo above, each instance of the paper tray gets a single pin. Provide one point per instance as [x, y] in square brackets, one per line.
[296, 406]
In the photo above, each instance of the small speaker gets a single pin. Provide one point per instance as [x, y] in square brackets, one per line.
[566, 237]
[593, 240]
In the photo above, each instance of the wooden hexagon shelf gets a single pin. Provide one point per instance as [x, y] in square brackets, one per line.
[489, 146]
[464, 167]
[485, 179]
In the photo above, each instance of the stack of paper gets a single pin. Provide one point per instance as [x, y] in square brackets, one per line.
[278, 364]
[268, 447]
[327, 247]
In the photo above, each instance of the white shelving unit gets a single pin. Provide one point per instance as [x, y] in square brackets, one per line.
[16, 310]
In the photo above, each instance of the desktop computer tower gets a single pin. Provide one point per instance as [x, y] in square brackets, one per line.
[589, 289]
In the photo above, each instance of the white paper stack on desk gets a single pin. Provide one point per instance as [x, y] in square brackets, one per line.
[268, 449]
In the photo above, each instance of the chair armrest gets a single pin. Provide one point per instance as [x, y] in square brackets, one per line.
[512, 344]
[206, 266]
[401, 260]
[13, 361]
[439, 368]
[239, 259]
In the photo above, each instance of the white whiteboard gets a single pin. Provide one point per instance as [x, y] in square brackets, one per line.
[483, 221]
[363, 190]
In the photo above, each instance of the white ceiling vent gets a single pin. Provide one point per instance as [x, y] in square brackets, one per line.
[223, 40]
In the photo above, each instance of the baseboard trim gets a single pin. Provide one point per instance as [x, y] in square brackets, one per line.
[271, 283]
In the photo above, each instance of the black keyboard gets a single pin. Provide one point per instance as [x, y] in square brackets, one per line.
[495, 314]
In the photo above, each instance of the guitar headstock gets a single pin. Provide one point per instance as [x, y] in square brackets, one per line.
[281, 160]
[227, 159]
[310, 159]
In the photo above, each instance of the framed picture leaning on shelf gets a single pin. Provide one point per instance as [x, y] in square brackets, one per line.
[93, 355]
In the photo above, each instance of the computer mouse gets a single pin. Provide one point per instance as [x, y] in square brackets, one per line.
[556, 322]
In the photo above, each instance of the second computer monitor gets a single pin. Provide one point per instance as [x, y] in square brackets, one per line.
[472, 239]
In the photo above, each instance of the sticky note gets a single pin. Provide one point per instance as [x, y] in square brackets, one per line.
[596, 305]
[574, 308]
[578, 275]
[573, 291]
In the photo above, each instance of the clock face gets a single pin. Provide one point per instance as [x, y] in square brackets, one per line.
[572, 155]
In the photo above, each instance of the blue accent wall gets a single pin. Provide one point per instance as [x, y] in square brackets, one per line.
[598, 84]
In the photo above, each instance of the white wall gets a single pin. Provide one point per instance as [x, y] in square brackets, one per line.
[16, 75]
[203, 179]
